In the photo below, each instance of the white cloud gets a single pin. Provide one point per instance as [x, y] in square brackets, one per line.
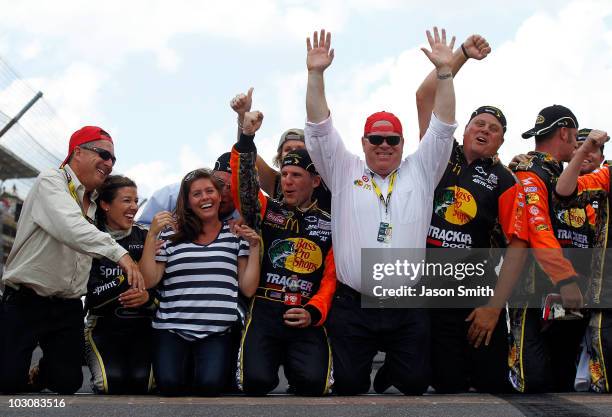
[560, 58]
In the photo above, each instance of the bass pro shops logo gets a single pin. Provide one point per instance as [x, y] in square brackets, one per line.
[456, 205]
[296, 254]
[574, 217]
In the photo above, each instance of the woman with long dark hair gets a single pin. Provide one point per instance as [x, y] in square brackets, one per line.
[118, 331]
[200, 269]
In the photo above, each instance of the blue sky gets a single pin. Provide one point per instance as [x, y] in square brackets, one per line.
[159, 75]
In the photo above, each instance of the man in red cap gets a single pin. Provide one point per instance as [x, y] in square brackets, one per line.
[382, 202]
[47, 270]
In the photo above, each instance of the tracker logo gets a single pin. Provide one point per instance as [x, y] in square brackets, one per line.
[448, 238]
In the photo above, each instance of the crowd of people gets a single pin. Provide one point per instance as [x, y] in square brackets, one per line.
[240, 269]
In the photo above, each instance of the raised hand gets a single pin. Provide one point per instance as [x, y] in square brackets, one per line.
[252, 122]
[247, 234]
[241, 103]
[319, 55]
[160, 221]
[441, 54]
[594, 141]
[476, 47]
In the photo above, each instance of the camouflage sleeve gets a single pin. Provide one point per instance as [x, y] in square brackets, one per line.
[247, 196]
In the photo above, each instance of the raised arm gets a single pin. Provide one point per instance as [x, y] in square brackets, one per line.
[152, 270]
[475, 47]
[441, 55]
[246, 193]
[318, 58]
[241, 104]
[566, 184]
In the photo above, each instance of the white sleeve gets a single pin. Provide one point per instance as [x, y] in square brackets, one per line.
[58, 214]
[434, 150]
[326, 148]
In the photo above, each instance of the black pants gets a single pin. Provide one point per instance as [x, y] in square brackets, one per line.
[357, 334]
[26, 320]
[457, 365]
[543, 355]
[600, 348]
[267, 343]
[118, 353]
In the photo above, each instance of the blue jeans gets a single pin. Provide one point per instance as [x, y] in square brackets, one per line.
[181, 367]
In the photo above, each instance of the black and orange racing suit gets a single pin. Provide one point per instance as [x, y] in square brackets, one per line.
[295, 242]
[477, 205]
[542, 359]
[118, 346]
[595, 187]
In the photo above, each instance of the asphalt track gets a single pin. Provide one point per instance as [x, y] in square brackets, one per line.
[280, 405]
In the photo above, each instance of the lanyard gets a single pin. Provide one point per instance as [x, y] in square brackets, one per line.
[378, 193]
[73, 193]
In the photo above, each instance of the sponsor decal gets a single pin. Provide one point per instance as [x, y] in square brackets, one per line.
[540, 119]
[574, 217]
[324, 225]
[275, 217]
[532, 198]
[531, 189]
[365, 178]
[534, 210]
[481, 170]
[281, 282]
[450, 238]
[578, 239]
[537, 219]
[360, 183]
[310, 219]
[541, 227]
[492, 179]
[527, 181]
[116, 282]
[477, 179]
[298, 255]
[456, 205]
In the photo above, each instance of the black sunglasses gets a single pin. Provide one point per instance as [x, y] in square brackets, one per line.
[378, 140]
[102, 153]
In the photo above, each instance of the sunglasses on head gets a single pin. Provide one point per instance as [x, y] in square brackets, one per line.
[102, 153]
[378, 140]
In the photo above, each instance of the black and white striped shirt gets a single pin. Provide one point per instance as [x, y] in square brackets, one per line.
[199, 289]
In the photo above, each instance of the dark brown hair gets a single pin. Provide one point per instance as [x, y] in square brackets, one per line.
[107, 193]
[188, 224]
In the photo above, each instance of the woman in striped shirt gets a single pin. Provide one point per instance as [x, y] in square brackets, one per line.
[200, 269]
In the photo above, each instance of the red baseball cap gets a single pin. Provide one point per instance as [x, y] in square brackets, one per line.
[380, 116]
[84, 135]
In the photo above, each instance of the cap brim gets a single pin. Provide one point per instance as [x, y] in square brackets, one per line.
[528, 134]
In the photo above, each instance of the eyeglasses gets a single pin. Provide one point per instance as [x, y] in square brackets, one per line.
[102, 153]
[378, 140]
